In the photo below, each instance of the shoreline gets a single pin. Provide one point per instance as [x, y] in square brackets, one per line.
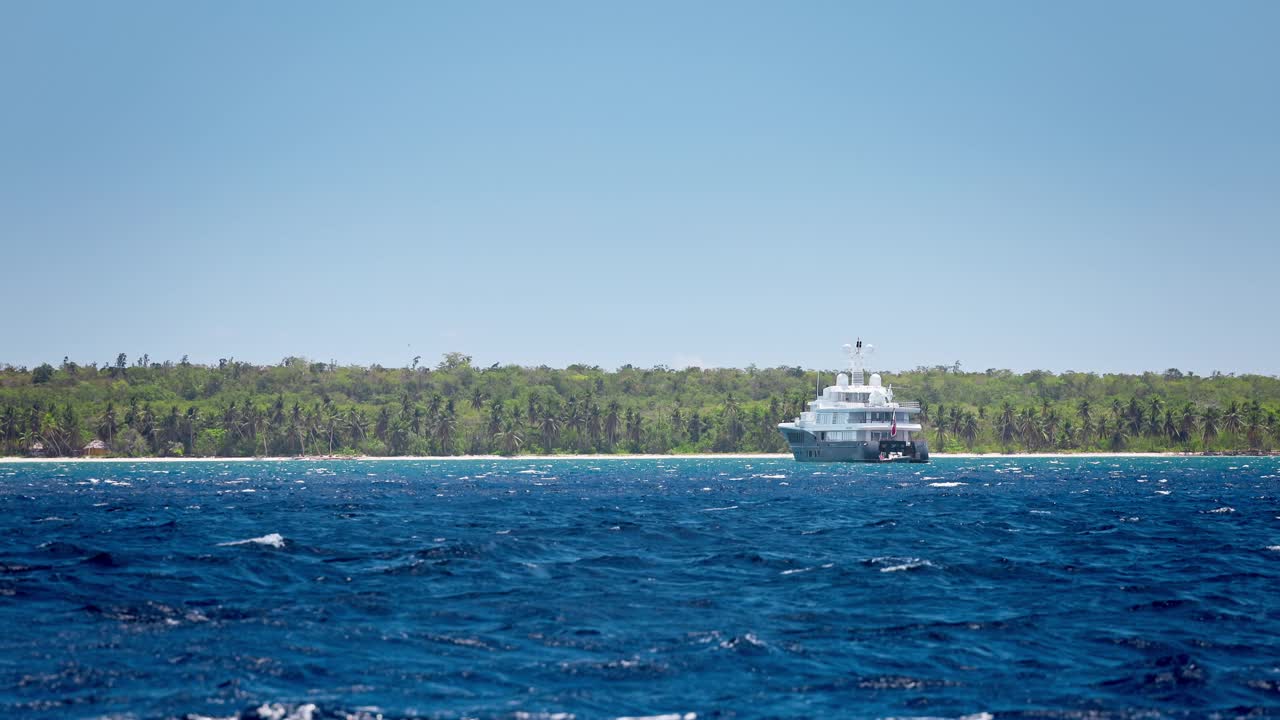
[592, 458]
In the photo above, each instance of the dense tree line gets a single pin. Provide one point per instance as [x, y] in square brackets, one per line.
[299, 407]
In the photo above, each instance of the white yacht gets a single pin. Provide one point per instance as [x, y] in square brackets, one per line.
[856, 422]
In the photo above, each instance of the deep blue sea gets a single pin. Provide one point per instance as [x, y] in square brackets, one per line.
[988, 588]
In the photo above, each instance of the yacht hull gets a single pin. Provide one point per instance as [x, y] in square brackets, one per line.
[868, 451]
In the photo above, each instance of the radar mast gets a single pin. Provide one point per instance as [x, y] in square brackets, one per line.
[857, 354]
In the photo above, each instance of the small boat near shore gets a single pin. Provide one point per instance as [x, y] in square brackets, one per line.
[857, 421]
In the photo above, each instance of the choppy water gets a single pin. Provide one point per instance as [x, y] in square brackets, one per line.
[606, 588]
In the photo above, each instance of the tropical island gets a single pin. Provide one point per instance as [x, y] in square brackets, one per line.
[301, 407]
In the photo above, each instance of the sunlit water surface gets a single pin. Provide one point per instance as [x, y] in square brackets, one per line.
[603, 588]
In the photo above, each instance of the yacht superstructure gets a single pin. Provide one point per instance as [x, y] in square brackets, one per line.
[853, 421]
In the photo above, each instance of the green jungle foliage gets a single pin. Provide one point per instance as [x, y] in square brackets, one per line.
[300, 407]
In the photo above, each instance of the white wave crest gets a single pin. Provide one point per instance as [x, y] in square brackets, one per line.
[947, 484]
[900, 564]
[795, 571]
[667, 716]
[907, 566]
[275, 540]
[1222, 510]
[276, 711]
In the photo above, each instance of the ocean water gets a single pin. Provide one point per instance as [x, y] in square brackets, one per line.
[986, 588]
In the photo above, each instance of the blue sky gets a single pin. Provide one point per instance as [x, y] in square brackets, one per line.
[1086, 185]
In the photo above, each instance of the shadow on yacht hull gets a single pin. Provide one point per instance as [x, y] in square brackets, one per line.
[870, 451]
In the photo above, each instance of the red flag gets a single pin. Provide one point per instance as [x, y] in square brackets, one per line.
[893, 426]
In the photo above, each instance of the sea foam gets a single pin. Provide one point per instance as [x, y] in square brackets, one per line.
[275, 540]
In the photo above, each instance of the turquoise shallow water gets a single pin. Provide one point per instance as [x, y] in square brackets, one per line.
[1131, 587]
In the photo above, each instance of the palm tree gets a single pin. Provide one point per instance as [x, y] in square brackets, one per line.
[1253, 425]
[172, 427]
[1049, 419]
[1169, 428]
[34, 426]
[696, 427]
[1117, 410]
[549, 428]
[611, 423]
[9, 428]
[733, 429]
[1084, 410]
[1155, 412]
[635, 430]
[594, 424]
[108, 425]
[1210, 425]
[1119, 437]
[1029, 428]
[1233, 421]
[446, 430]
[1135, 416]
[574, 419]
[398, 437]
[509, 438]
[969, 429]
[132, 415]
[332, 419]
[359, 424]
[297, 428]
[496, 423]
[1006, 426]
[1069, 433]
[477, 399]
[61, 431]
[230, 421]
[190, 424]
[147, 428]
[1187, 423]
[252, 420]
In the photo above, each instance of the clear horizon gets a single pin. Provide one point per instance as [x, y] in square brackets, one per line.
[1089, 186]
